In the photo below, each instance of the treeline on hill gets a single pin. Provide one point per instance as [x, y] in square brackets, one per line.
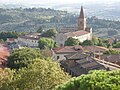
[30, 19]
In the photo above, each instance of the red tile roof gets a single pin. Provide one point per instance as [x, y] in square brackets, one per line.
[67, 49]
[11, 39]
[94, 48]
[76, 33]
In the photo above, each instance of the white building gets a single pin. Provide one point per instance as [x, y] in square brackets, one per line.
[81, 32]
[29, 40]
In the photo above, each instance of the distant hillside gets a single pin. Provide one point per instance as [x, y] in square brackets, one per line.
[30, 19]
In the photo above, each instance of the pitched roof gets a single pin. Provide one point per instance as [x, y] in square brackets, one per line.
[76, 33]
[67, 29]
[68, 49]
[112, 58]
[76, 56]
[95, 48]
[83, 66]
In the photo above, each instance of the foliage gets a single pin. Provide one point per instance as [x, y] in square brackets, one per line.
[95, 40]
[49, 33]
[117, 45]
[5, 78]
[87, 43]
[5, 35]
[46, 43]
[40, 30]
[71, 42]
[109, 52]
[20, 57]
[39, 75]
[95, 80]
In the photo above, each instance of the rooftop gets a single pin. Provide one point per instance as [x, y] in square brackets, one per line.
[95, 48]
[76, 33]
[68, 49]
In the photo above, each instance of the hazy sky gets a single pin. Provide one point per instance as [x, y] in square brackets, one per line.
[54, 1]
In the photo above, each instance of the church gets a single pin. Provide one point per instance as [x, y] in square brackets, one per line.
[81, 32]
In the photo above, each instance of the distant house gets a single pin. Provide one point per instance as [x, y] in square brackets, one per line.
[79, 63]
[12, 40]
[81, 32]
[4, 53]
[96, 50]
[29, 40]
[61, 52]
[113, 59]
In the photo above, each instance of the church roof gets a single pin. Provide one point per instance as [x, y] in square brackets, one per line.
[76, 33]
[67, 29]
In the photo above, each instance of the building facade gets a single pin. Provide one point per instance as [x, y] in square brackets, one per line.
[81, 32]
[29, 40]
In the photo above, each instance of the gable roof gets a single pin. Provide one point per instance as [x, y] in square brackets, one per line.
[95, 48]
[83, 66]
[76, 33]
[112, 58]
[68, 49]
[76, 56]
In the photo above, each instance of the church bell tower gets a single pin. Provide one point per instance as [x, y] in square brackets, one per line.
[81, 20]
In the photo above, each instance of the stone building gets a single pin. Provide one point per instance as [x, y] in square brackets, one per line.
[81, 32]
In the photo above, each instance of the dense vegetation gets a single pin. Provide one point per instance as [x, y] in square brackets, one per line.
[95, 80]
[39, 75]
[111, 52]
[32, 18]
[5, 35]
[46, 43]
[49, 33]
[72, 42]
[21, 57]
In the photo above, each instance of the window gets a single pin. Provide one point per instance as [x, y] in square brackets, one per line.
[58, 57]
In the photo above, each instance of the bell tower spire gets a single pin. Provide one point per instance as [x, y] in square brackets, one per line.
[81, 20]
[81, 12]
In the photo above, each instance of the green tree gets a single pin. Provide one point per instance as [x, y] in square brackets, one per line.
[95, 40]
[117, 45]
[109, 52]
[46, 43]
[87, 43]
[50, 33]
[72, 42]
[39, 75]
[40, 30]
[95, 80]
[5, 78]
[20, 58]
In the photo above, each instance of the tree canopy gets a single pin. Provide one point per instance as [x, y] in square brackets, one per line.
[39, 75]
[111, 52]
[117, 45]
[87, 43]
[20, 57]
[49, 33]
[40, 30]
[95, 80]
[46, 43]
[72, 42]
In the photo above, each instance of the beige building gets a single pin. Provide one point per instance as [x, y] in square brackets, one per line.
[29, 40]
[81, 32]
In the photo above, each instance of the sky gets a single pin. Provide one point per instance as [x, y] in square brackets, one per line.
[54, 2]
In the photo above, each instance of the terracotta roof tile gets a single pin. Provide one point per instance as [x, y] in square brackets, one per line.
[94, 48]
[67, 49]
[76, 33]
